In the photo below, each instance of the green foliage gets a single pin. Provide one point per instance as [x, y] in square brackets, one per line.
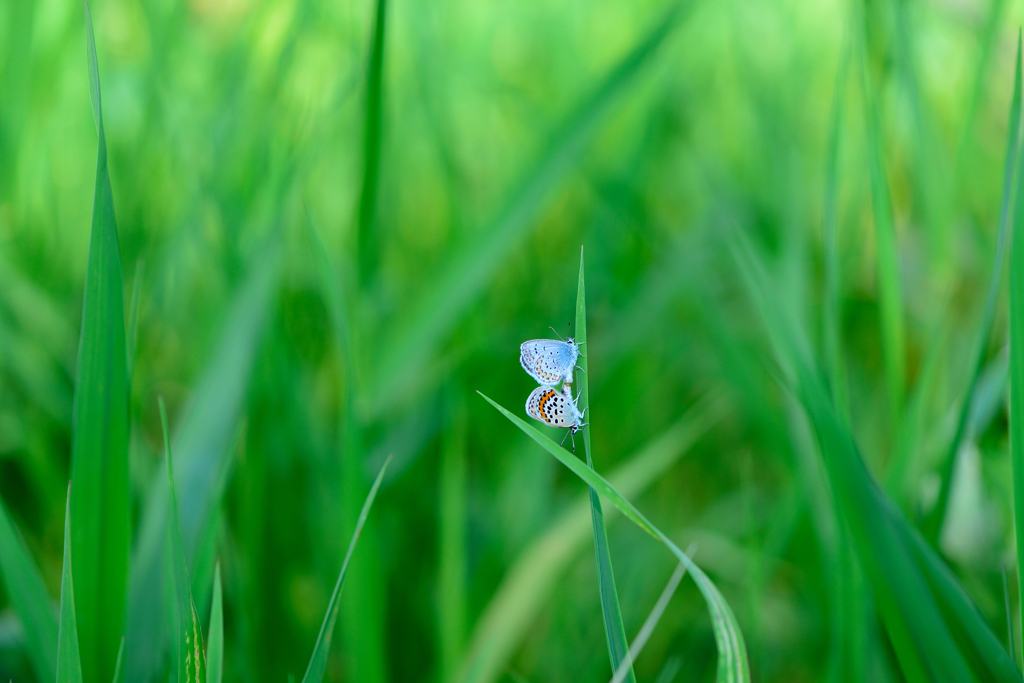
[69, 660]
[188, 653]
[215, 643]
[318, 661]
[335, 222]
[99, 453]
[28, 598]
[613, 628]
[732, 654]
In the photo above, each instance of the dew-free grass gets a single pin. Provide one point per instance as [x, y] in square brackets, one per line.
[336, 223]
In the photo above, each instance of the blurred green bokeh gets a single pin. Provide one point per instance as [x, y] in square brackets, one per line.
[237, 133]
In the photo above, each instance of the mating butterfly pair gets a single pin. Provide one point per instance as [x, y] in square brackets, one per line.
[550, 362]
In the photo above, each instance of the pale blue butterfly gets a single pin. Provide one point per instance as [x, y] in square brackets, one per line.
[549, 361]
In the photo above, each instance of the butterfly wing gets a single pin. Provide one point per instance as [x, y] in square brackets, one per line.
[548, 361]
[551, 408]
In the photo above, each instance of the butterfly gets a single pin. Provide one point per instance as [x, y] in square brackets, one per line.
[549, 361]
[557, 409]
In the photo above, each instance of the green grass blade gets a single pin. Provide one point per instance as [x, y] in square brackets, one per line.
[913, 428]
[368, 240]
[203, 447]
[452, 582]
[1017, 377]
[119, 662]
[935, 632]
[981, 76]
[27, 593]
[832, 308]
[652, 620]
[215, 646]
[1009, 615]
[362, 615]
[732, 652]
[530, 582]
[318, 661]
[69, 662]
[187, 658]
[933, 524]
[670, 669]
[988, 658]
[99, 463]
[886, 260]
[472, 265]
[614, 631]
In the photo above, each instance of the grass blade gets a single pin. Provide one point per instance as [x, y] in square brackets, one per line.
[1009, 614]
[933, 524]
[1017, 378]
[187, 661]
[614, 631]
[452, 581]
[886, 260]
[652, 620]
[362, 615]
[99, 463]
[27, 593]
[318, 661]
[371, 148]
[471, 267]
[936, 632]
[732, 652]
[69, 662]
[215, 646]
[529, 583]
[120, 660]
[832, 307]
[203, 445]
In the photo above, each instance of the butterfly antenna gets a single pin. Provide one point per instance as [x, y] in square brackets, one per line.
[556, 333]
[563, 440]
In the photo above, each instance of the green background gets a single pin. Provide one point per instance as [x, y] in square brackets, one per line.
[240, 135]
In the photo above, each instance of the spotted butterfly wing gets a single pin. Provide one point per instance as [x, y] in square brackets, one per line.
[549, 361]
[552, 408]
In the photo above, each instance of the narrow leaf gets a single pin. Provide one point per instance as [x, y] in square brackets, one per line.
[368, 240]
[732, 652]
[936, 632]
[99, 463]
[453, 560]
[69, 662]
[187, 659]
[652, 620]
[120, 659]
[362, 615]
[886, 260]
[318, 661]
[215, 646]
[615, 632]
[1017, 375]
[203, 448]
[27, 593]
[530, 582]
[832, 312]
[933, 524]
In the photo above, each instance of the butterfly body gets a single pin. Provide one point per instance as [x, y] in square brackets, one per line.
[549, 361]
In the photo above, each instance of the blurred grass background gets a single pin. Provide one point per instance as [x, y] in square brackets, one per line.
[307, 303]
